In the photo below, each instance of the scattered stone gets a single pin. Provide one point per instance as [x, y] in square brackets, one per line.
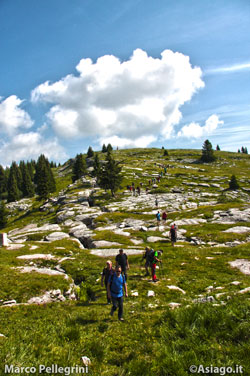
[173, 305]
[48, 297]
[56, 236]
[86, 361]
[30, 269]
[134, 293]
[241, 264]
[171, 287]
[206, 299]
[238, 230]
[235, 283]
[151, 293]
[37, 256]
[10, 302]
[154, 239]
[109, 252]
[247, 289]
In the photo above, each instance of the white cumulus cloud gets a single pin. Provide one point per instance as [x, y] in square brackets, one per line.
[12, 117]
[129, 100]
[26, 146]
[195, 130]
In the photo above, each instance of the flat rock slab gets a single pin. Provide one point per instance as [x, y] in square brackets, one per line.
[241, 264]
[30, 269]
[238, 229]
[115, 251]
[104, 243]
[37, 256]
[153, 239]
[15, 246]
[56, 236]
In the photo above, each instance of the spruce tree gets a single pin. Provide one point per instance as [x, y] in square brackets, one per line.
[90, 152]
[233, 184]
[109, 148]
[165, 153]
[44, 179]
[97, 166]
[79, 168]
[104, 148]
[13, 191]
[3, 215]
[3, 181]
[110, 175]
[207, 152]
[217, 148]
[28, 187]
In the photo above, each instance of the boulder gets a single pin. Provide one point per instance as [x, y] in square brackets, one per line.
[56, 236]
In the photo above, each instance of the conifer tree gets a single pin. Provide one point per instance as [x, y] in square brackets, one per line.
[165, 153]
[28, 187]
[233, 184]
[13, 191]
[3, 215]
[217, 148]
[44, 179]
[110, 175]
[207, 152]
[109, 148]
[18, 175]
[79, 168]
[90, 152]
[104, 148]
[3, 181]
[97, 166]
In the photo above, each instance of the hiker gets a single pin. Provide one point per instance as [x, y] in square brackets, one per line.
[153, 259]
[122, 260]
[106, 273]
[146, 190]
[173, 234]
[133, 190]
[138, 190]
[158, 218]
[156, 202]
[164, 216]
[146, 257]
[116, 284]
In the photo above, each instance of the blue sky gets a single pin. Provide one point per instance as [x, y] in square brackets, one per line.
[135, 73]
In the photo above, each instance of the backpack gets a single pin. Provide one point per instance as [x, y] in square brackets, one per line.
[151, 256]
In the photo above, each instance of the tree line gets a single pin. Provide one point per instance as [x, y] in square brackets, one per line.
[27, 179]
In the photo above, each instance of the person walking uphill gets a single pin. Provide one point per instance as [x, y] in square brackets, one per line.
[106, 273]
[122, 261]
[116, 284]
[173, 234]
[154, 258]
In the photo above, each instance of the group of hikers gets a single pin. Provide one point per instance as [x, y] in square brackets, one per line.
[115, 280]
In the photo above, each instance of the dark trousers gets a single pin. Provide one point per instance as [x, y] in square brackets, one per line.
[124, 272]
[118, 302]
[106, 286]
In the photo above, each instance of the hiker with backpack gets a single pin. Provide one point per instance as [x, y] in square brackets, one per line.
[158, 218]
[122, 261]
[173, 234]
[153, 259]
[106, 273]
[164, 216]
[146, 257]
[116, 284]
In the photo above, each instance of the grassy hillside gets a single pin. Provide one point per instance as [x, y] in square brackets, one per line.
[199, 314]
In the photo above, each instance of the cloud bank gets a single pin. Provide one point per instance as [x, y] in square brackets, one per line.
[12, 117]
[194, 130]
[131, 102]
